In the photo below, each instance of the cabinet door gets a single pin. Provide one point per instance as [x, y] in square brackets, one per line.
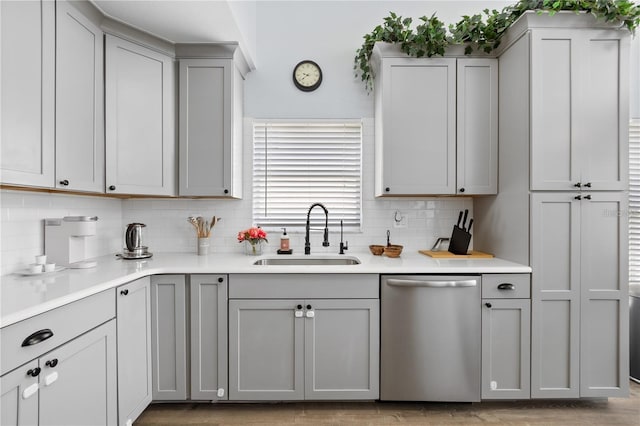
[206, 127]
[506, 349]
[604, 303]
[78, 381]
[418, 126]
[555, 163]
[79, 101]
[139, 114]
[342, 346]
[555, 293]
[134, 349]
[209, 337]
[602, 109]
[168, 337]
[266, 350]
[19, 397]
[477, 126]
[27, 85]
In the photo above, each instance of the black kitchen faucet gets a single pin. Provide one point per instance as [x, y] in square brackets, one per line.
[325, 243]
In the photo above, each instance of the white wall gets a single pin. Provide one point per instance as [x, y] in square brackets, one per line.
[22, 224]
[328, 32]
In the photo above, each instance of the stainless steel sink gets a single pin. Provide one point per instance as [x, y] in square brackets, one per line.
[308, 260]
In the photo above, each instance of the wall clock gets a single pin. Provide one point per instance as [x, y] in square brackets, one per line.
[307, 76]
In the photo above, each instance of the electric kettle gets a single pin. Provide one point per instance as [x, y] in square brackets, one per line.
[133, 242]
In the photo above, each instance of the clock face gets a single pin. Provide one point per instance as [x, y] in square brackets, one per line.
[307, 76]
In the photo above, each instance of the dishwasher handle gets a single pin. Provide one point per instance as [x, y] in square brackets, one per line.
[431, 283]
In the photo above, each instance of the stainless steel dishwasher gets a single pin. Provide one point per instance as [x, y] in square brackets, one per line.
[430, 338]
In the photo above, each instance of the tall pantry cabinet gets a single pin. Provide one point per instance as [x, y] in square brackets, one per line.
[563, 175]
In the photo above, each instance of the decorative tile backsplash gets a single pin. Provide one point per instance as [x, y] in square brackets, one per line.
[22, 214]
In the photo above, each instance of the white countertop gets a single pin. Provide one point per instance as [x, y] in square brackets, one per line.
[22, 297]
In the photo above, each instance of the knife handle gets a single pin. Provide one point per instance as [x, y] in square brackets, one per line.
[464, 219]
[459, 219]
[470, 223]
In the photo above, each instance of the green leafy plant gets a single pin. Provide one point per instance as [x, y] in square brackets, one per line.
[481, 31]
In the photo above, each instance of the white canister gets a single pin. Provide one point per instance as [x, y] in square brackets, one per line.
[203, 246]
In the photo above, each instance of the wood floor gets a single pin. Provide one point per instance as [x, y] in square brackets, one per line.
[614, 411]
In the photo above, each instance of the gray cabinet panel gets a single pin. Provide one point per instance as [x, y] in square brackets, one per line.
[555, 259]
[303, 286]
[604, 307]
[19, 397]
[133, 306]
[266, 350]
[506, 348]
[27, 124]
[78, 381]
[209, 337]
[168, 337]
[79, 101]
[477, 126]
[139, 119]
[342, 343]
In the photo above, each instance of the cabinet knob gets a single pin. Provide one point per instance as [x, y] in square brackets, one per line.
[34, 372]
[124, 292]
[52, 363]
[488, 305]
[226, 191]
[387, 189]
[64, 182]
[578, 185]
[309, 307]
[112, 188]
[461, 190]
[299, 307]
[587, 197]
[578, 197]
[588, 184]
[220, 280]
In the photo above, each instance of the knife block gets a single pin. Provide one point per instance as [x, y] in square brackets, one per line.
[459, 243]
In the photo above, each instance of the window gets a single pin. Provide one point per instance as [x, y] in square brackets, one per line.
[296, 164]
[634, 201]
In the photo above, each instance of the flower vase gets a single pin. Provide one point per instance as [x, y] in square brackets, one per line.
[253, 248]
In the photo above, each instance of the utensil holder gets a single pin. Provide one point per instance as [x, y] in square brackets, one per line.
[459, 243]
[203, 246]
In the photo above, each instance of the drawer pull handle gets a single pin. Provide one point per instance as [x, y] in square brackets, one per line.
[506, 286]
[52, 363]
[124, 292]
[488, 305]
[37, 337]
[34, 372]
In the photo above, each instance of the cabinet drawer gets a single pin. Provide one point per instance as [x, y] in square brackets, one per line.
[65, 322]
[506, 286]
[303, 286]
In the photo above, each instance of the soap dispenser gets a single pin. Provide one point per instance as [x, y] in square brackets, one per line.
[284, 243]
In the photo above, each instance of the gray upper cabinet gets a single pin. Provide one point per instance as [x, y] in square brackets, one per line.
[477, 126]
[579, 110]
[79, 101]
[209, 364]
[28, 88]
[211, 112]
[133, 306]
[169, 337]
[420, 106]
[139, 119]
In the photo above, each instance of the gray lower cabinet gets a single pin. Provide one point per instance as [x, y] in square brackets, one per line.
[133, 303]
[169, 337]
[74, 384]
[505, 348]
[506, 336]
[208, 295]
[304, 349]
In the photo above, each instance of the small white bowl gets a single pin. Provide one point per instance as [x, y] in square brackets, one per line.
[41, 259]
[35, 268]
[49, 267]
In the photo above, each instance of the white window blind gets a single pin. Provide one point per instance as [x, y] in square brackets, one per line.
[634, 201]
[296, 164]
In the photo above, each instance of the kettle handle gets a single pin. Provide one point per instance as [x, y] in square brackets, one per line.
[129, 238]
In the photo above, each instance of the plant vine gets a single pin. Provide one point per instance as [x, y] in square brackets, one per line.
[482, 31]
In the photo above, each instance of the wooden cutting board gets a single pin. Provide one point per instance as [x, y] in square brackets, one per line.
[448, 255]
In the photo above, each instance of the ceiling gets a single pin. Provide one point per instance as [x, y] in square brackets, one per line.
[189, 21]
